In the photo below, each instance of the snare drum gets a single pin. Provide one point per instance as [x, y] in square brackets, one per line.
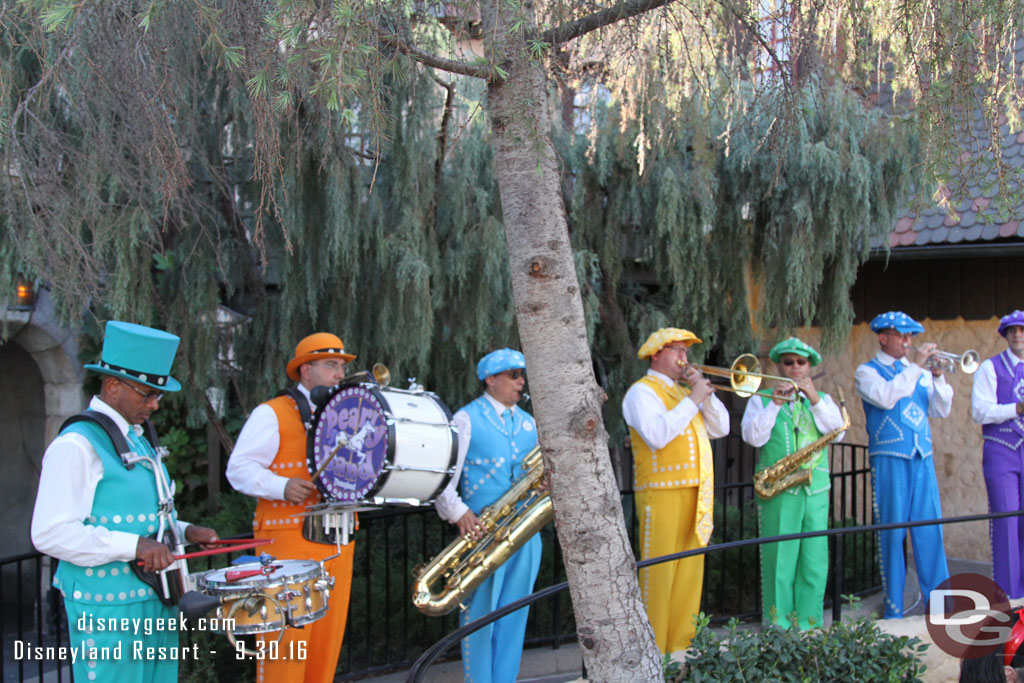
[408, 446]
[293, 593]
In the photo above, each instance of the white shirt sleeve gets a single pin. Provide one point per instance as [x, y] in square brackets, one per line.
[940, 396]
[645, 412]
[985, 407]
[248, 468]
[758, 421]
[449, 504]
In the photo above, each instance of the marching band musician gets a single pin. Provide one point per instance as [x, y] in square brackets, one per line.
[669, 427]
[269, 463]
[96, 513]
[899, 396]
[495, 435]
[997, 404]
[793, 573]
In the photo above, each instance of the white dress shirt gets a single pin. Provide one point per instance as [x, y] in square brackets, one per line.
[67, 486]
[874, 389]
[248, 468]
[645, 412]
[985, 408]
[759, 419]
[449, 503]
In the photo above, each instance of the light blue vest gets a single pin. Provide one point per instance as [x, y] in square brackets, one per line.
[496, 452]
[902, 430]
[125, 500]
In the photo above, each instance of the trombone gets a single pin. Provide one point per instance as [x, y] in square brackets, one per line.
[745, 377]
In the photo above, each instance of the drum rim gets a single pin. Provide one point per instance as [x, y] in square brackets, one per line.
[245, 586]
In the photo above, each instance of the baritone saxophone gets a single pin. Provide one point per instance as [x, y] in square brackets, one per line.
[448, 579]
[788, 471]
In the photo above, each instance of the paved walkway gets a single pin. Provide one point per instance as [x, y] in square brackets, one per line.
[545, 665]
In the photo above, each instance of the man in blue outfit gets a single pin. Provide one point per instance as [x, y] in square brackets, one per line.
[900, 393]
[97, 514]
[495, 435]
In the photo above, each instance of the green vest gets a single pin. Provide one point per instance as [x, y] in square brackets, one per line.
[795, 428]
[125, 500]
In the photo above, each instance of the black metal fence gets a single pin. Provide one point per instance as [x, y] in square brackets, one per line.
[385, 632]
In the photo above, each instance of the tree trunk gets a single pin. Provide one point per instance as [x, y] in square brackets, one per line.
[614, 633]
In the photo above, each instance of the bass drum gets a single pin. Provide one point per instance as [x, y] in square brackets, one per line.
[402, 447]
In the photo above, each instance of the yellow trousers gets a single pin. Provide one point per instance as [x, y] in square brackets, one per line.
[671, 590]
[309, 654]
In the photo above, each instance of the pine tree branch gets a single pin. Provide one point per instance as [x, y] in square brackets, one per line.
[592, 22]
[450, 65]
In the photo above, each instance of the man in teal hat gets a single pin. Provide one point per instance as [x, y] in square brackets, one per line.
[97, 513]
[793, 573]
[901, 389]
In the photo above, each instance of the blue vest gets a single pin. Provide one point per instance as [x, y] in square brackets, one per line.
[125, 500]
[494, 460]
[902, 430]
[1011, 432]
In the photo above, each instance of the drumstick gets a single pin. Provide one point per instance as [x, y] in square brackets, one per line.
[241, 544]
[338, 448]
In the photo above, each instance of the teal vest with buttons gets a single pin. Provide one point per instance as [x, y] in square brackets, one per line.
[125, 500]
[494, 460]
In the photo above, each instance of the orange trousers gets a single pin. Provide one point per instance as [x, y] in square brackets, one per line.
[308, 654]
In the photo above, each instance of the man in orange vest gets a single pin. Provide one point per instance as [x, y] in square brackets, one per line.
[669, 426]
[269, 462]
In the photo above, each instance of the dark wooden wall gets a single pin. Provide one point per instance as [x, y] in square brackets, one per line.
[940, 289]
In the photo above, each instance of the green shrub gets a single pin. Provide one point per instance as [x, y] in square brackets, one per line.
[849, 651]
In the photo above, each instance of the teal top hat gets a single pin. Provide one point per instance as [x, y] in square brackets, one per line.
[138, 353]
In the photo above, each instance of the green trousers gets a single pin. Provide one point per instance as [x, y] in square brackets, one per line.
[794, 573]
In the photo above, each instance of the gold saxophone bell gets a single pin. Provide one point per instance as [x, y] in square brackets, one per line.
[745, 377]
[448, 579]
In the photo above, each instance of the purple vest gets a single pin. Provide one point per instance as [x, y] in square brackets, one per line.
[1011, 432]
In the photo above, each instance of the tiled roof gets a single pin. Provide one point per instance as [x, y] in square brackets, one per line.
[975, 218]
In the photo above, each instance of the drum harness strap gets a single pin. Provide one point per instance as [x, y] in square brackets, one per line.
[301, 403]
[165, 494]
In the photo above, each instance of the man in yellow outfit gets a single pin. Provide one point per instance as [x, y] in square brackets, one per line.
[269, 462]
[669, 426]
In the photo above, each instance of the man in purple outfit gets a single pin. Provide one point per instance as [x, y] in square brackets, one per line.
[997, 404]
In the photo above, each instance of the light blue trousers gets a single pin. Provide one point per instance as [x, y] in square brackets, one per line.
[492, 654]
[906, 490]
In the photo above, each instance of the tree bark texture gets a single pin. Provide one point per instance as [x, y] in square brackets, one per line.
[614, 633]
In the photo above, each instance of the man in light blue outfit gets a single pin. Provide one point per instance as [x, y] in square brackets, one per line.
[899, 397]
[98, 512]
[495, 435]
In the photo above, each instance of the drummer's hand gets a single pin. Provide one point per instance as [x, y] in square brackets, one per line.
[298, 490]
[470, 526]
[154, 555]
[201, 536]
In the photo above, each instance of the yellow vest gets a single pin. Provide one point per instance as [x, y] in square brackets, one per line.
[684, 462]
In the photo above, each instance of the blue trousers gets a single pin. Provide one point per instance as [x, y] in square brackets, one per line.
[492, 654]
[906, 490]
[1004, 480]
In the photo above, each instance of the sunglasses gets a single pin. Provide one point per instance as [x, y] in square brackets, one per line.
[795, 361]
[515, 374]
[147, 395]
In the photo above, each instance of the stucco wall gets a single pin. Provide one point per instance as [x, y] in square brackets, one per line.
[957, 439]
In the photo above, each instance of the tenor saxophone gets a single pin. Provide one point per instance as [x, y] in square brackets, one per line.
[445, 582]
[788, 471]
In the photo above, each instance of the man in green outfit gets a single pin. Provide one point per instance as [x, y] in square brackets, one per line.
[793, 573]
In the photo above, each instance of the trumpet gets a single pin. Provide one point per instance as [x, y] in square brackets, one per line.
[745, 377]
[947, 361]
